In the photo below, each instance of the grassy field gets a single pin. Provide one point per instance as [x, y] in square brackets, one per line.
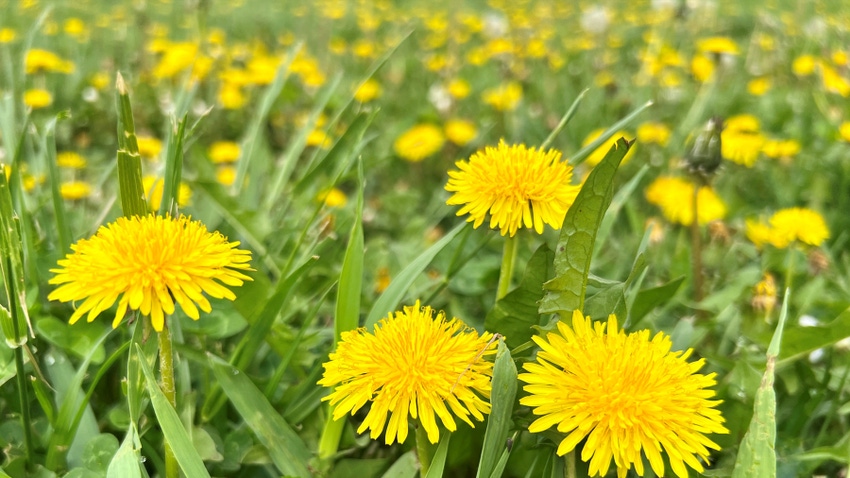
[353, 238]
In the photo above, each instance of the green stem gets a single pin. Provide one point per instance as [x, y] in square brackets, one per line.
[23, 396]
[570, 469]
[166, 371]
[696, 246]
[424, 450]
[507, 270]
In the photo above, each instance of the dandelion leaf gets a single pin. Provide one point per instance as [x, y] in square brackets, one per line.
[566, 291]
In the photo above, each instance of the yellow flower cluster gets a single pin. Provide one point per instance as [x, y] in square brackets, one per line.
[789, 226]
[675, 198]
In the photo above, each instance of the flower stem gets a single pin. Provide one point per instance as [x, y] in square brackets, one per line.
[789, 268]
[424, 450]
[696, 246]
[166, 371]
[507, 270]
[570, 469]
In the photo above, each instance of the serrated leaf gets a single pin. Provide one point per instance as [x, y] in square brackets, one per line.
[515, 314]
[566, 291]
[757, 452]
[286, 449]
[502, 397]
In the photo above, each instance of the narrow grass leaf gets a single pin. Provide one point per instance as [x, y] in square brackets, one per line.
[438, 462]
[502, 397]
[389, 300]
[515, 314]
[288, 452]
[130, 187]
[584, 152]
[499, 467]
[127, 460]
[566, 291]
[49, 145]
[172, 428]
[173, 169]
[571, 111]
[16, 322]
[757, 452]
[801, 341]
[405, 467]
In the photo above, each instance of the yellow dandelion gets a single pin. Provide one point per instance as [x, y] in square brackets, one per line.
[319, 138]
[75, 190]
[226, 175]
[844, 131]
[653, 132]
[332, 197]
[149, 148]
[230, 96]
[504, 97]
[38, 61]
[7, 35]
[459, 88]
[223, 152]
[517, 186]
[419, 142]
[702, 68]
[675, 195]
[780, 148]
[758, 232]
[146, 264]
[798, 224]
[368, 91]
[758, 86]
[764, 294]
[719, 45]
[70, 160]
[741, 147]
[804, 65]
[154, 187]
[37, 98]
[626, 394]
[412, 365]
[460, 131]
[599, 153]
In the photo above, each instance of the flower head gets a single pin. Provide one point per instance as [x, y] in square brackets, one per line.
[675, 195]
[147, 263]
[517, 186]
[419, 142]
[37, 98]
[798, 224]
[625, 394]
[413, 364]
[223, 152]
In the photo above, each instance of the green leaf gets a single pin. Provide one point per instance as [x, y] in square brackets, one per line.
[566, 291]
[502, 399]
[648, 299]
[515, 314]
[288, 452]
[840, 452]
[14, 321]
[130, 187]
[127, 460]
[757, 452]
[438, 462]
[171, 426]
[405, 467]
[609, 300]
[99, 452]
[801, 341]
[571, 111]
[173, 169]
[79, 339]
[617, 203]
[584, 152]
[389, 300]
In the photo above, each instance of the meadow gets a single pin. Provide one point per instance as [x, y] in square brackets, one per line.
[353, 238]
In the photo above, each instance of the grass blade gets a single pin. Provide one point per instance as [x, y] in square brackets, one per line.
[127, 460]
[129, 162]
[583, 153]
[502, 399]
[288, 452]
[438, 463]
[571, 111]
[172, 428]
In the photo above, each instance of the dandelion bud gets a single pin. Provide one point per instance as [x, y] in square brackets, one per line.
[704, 155]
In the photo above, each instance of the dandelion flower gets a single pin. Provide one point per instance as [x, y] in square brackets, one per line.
[460, 131]
[222, 152]
[149, 147]
[75, 190]
[332, 197]
[146, 264]
[419, 142]
[154, 188]
[505, 97]
[517, 186]
[798, 224]
[625, 394]
[675, 195]
[37, 98]
[368, 91]
[70, 160]
[413, 364]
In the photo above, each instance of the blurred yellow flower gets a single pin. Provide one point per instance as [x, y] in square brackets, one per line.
[798, 224]
[764, 294]
[75, 190]
[230, 96]
[741, 140]
[75, 28]
[71, 160]
[7, 35]
[332, 197]
[149, 148]
[504, 97]
[419, 142]
[460, 131]
[458, 88]
[320, 139]
[758, 232]
[225, 175]
[720, 45]
[674, 196]
[100, 80]
[599, 153]
[833, 82]
[652, 133]
[702, 68]
[780, 148]
[39, 61]
[177, 57]
[804, 65]
[154, 188]
[368, 91]
[844, 131]
[222, 152]
[37, 98]
[516, 186]
[759, 86]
